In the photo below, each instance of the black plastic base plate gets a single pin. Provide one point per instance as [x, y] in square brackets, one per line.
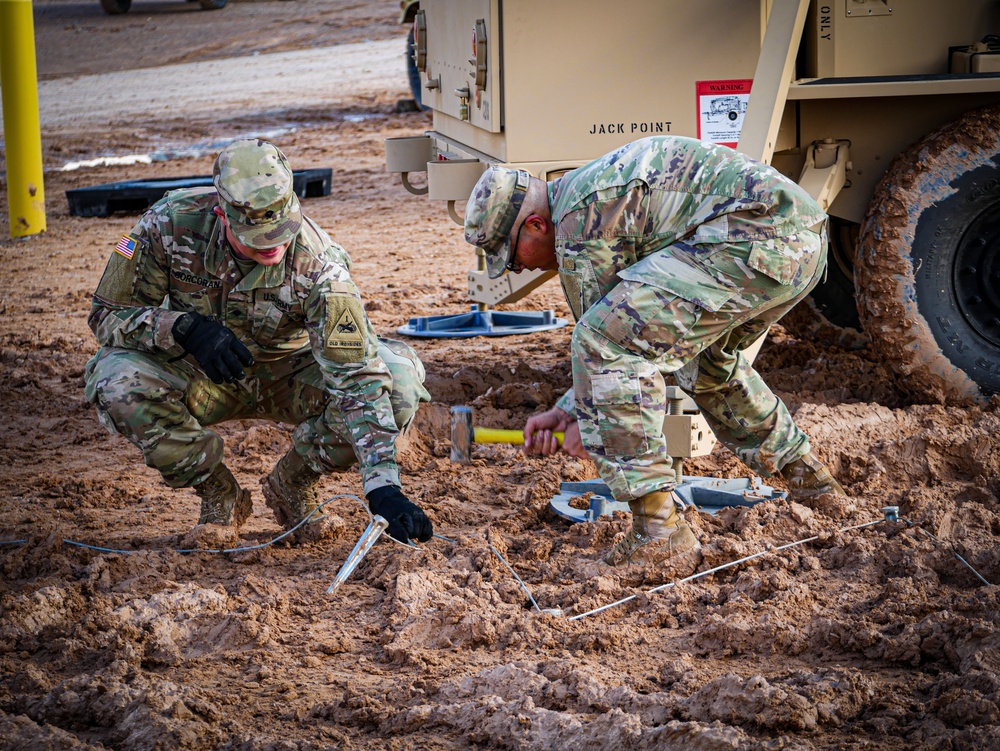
[138, 195]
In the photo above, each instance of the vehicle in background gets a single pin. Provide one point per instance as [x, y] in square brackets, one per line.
[407, 12]
[888, 113]
[117, 7]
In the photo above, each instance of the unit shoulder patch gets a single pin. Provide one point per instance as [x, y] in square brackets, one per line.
[345, 334]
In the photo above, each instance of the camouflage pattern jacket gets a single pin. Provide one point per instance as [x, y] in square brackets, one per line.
[308, 303]
[676, 196]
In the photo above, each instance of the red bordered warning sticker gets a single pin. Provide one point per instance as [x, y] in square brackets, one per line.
[722, 106]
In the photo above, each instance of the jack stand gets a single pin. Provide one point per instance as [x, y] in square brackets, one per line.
[708, 494]
[481, 323]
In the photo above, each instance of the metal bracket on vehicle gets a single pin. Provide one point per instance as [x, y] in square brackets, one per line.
[824, 173]
[504, 289]
[452, 180]
[409, 154]
[868, 8]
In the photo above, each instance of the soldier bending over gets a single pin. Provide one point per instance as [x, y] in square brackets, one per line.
[675, 256]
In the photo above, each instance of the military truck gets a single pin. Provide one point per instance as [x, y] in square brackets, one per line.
[888, 113]
[117, 7]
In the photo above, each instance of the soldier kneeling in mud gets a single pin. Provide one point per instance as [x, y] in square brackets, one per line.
[675, 256]
[226, 303]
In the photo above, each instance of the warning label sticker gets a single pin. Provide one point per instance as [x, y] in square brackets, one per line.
[721, 108]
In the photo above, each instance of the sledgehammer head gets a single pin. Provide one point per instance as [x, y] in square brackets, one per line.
[461, 434]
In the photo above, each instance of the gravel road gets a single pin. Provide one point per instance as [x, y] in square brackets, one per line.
[218, 89]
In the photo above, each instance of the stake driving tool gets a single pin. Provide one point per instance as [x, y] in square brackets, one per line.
[463, 435]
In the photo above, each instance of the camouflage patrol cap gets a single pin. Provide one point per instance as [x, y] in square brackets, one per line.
[255, 187]
[491, 213]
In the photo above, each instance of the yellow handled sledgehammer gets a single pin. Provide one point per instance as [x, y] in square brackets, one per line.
[463, 435]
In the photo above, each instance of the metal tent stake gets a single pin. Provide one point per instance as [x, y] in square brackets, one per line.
[361, 548]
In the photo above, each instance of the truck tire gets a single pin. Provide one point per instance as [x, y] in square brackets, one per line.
[412, 74]
[212, 4]
[116, 7]
[926, 271]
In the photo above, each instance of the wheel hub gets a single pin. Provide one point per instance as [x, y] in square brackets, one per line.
[977, 274]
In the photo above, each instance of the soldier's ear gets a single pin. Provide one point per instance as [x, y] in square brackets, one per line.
[537, 224]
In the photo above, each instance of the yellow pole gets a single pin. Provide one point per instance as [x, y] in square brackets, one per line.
[21, 124]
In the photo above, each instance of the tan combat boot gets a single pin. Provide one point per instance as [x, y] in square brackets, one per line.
[659, 537]
[291, 493]
[808, 477]
[223, 501]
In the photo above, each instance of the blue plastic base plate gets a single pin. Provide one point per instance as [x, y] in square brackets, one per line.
[708, 494]
[481, 323]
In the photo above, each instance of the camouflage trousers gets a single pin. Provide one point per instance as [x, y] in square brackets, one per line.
[164, 407]
[640, 332]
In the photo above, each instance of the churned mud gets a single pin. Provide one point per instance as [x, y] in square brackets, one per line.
[874, 637]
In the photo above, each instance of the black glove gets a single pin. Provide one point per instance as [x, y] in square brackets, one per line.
[406, 519]
[216, 348]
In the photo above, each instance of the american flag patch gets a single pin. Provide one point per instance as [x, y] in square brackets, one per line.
[126, 246]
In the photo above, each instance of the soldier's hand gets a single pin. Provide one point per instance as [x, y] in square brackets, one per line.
[217, 349]
[406, 519]
[572, 443]
[538, 430]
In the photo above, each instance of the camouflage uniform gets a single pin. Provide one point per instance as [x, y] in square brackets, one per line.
[675, 255]
[317, 361]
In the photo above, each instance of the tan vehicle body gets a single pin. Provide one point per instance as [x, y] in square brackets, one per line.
[832, 92]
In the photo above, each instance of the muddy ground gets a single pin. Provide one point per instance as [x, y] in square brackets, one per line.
[874, 638]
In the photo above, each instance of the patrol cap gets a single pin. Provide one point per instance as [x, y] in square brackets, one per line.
[255, 184]
[491, 212]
